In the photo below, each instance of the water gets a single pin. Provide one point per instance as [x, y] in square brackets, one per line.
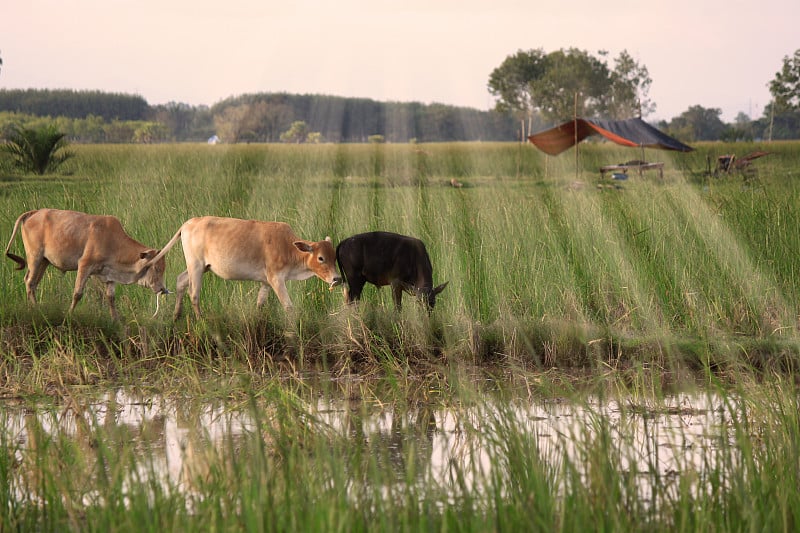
[176, 441]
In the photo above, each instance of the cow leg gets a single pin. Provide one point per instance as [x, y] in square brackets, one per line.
[279, 286]
[353, 288]
[397, 294]
[80, 283]
[110, 296]
[33, 276]
[263, 294]
[180, 291]
[195, 275]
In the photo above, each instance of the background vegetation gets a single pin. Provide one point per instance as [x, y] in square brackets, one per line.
[539, 88]
[532, 90]
[93, 117]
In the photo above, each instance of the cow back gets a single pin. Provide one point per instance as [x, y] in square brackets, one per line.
[66, 237]
[383, 257]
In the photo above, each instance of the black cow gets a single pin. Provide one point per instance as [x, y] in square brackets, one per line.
[384, 258]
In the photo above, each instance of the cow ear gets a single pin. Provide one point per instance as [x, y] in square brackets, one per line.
[440, 288]
[303, 246]
[328, 238]
[148, 254]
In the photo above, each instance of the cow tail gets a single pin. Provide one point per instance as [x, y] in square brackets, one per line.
[17, 259]
[166, 248]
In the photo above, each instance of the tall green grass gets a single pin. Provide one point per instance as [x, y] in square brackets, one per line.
[295, 471]
[547, 266]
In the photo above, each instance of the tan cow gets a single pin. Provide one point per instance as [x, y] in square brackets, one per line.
[94, 245]
[249, 250]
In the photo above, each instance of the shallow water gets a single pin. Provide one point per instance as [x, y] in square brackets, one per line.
[173, 439]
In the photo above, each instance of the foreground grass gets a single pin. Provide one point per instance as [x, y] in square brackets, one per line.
[293, 470]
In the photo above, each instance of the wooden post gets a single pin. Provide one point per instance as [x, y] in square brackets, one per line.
[575, 127]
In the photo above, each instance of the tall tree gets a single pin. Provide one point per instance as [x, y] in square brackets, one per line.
[573, 82]
[558, 85]
[785, 88]
[630, 88]
[511, 84]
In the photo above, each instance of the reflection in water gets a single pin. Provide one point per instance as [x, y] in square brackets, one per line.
[179, 441]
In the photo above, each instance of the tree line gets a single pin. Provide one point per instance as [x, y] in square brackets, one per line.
[92, 116]
[540, 88]
[533, 90]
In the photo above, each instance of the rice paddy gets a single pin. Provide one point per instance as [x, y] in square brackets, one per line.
[562, 288]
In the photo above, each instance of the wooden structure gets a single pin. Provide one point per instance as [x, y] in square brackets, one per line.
[729, 163]
[639, 166]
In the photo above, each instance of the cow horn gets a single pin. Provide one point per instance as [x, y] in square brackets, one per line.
[157, 301]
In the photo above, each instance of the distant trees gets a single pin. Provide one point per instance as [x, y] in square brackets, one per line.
[511, 84]
[92, 129]
[340, 119]
[183, 121]
[74, 104]
[254, 121]
[532, 89]
[697, 124]
[742, 129]
[231, 124]
[297, 133]
[554, 86]
[260, 117]
[781, 118]
[150, 132]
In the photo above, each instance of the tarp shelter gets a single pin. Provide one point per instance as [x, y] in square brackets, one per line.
[633, 132]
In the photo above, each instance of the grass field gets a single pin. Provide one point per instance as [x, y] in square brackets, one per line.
[547, 266]
[559, 286]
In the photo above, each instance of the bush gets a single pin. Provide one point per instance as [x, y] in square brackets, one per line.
[37, 150]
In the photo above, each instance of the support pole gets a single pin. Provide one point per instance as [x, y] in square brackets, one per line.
[575, 127]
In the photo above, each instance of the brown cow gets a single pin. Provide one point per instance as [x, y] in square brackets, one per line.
[94, 245]
[248, 250]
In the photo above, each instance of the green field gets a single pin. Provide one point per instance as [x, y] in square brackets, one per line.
[561, 286]
[548, 267]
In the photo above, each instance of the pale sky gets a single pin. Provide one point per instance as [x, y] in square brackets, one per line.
[713, 53]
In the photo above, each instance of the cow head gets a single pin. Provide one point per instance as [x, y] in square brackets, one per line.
[428, 295]
[321, 260]
[150, 273]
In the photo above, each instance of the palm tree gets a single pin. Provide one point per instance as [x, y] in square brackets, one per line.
[37, 150]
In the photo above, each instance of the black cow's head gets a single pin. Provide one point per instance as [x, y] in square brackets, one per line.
[428, 295]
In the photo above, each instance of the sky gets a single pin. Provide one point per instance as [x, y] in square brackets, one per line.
[712, 53]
